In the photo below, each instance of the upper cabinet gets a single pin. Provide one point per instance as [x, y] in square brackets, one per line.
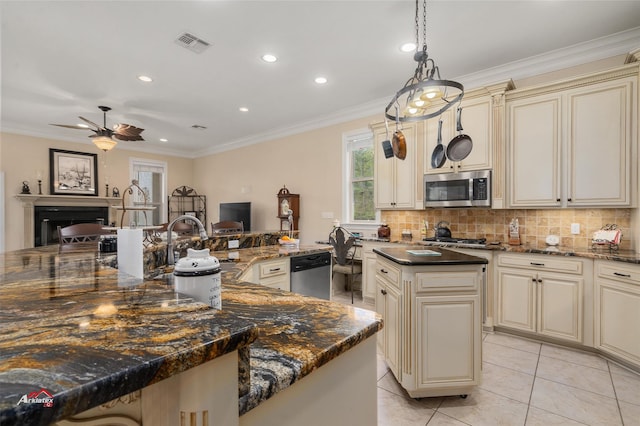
[571, 144]
[476, 122]
[397, 185]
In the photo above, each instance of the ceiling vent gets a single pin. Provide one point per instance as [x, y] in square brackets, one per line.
[192, 43]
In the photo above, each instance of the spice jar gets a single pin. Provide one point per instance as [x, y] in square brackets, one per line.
[384, 231]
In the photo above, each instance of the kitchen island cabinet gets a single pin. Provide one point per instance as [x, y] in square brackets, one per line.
[571, 144]
[89, 335]
[433, 342]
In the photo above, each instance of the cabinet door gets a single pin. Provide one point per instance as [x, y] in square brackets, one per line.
[617, 319]
[599, 144]
[448, 340]
[476, 122]
[392, 321]
[534, 137]
[516, 299]
[381, 303]
[405, 171]
[560, 302]
[384, 181]
[368, 275]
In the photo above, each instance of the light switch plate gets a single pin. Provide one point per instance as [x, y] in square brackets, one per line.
[234, 244]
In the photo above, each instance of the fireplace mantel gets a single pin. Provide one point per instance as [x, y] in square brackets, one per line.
[31, 200]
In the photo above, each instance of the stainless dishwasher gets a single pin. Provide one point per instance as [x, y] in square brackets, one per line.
[311, 275]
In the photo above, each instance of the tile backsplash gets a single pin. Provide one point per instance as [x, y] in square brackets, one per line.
[493, 225]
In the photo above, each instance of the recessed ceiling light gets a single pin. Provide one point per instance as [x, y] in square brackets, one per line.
[164, 140]
[269, 58]
[408, 47]
[320, 80]
[82, 125]
[243, 109]
[145, 78]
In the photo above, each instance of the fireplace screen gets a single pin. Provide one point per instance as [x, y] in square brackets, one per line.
[47, 220]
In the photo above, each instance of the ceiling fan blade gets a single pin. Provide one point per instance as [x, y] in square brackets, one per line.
[90, 122]
[68, 126]
[127, 132]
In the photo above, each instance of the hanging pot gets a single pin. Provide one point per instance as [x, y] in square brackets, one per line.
[460, 146]
[386, 144]
[399, 142]
[438, 156]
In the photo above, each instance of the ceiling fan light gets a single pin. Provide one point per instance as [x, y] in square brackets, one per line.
[104, 143]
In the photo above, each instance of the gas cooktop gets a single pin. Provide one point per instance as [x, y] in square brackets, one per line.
[473, 242]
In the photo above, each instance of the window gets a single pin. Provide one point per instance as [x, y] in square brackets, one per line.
[152, 178]
[358, 178]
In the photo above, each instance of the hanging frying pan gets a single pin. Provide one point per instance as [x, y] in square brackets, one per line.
[386, 144]
[460, 146]
[399, 142]
[438, 156]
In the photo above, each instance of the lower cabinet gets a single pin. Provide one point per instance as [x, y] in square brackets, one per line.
[542, 295]
[273, 273]
[617, 301]
[432, 336]
[369, 259]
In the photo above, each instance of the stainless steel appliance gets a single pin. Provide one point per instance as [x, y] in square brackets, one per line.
[463, 189]
[311, 275]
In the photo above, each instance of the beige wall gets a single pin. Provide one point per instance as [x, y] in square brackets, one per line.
[22, 156]
[308, 164]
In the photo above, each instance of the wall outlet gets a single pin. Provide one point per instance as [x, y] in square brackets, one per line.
[234, 244]
[575, 228]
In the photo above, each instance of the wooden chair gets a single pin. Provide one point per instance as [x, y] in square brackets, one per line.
[81, 233]
[227, 227]
[344, 252]
[180, 228]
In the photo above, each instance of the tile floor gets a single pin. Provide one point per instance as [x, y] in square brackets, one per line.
[524, 383]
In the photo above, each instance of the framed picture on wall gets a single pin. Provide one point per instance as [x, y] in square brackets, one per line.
[73, 173]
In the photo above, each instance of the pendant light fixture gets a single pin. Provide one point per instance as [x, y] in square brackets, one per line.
[425, 94]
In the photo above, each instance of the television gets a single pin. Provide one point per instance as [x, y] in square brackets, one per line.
[237, 212]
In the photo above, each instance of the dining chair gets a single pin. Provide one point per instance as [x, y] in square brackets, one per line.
[345, 263]
[81, 233]
[227, 227]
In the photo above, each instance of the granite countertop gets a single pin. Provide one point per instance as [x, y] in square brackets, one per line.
[402, 256]
[89, 334]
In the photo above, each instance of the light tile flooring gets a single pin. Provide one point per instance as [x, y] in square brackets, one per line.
[524, 383]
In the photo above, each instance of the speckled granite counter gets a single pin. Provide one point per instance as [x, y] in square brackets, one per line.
[446, 257]
[89, 334]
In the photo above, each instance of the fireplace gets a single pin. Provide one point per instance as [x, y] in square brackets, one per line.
[48, 218]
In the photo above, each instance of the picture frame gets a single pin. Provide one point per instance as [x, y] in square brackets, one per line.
[73, 173]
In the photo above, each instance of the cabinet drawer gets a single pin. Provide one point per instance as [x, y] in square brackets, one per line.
[273, 268]
[389, 272]
[618, 271]
[458, 280]
[541, 263]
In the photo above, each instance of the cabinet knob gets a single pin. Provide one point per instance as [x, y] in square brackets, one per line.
[558, 200]
[384, 292]
[539, 280]
[533, 279]
[384, 271]
[536, 264]
[569, 199]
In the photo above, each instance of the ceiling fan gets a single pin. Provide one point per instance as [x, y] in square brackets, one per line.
[104, 137]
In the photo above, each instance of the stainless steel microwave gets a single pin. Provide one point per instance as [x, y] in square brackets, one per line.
[462, 189]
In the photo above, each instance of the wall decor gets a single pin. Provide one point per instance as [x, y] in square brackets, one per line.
[73, 173]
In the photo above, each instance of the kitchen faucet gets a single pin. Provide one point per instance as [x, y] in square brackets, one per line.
[201, 229]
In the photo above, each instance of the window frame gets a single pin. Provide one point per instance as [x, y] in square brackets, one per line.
[348, 139]
[136, 164]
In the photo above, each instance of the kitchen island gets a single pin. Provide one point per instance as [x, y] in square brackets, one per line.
[76, 334]
[431, 302]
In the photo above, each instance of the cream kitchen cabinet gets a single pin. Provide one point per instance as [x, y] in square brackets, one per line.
[273, 273]
[388, 305]
[369, 259]
[571, 144]
[447, 337]
[396, 183]
[476, 122]
[544, 295]
[617, 303]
